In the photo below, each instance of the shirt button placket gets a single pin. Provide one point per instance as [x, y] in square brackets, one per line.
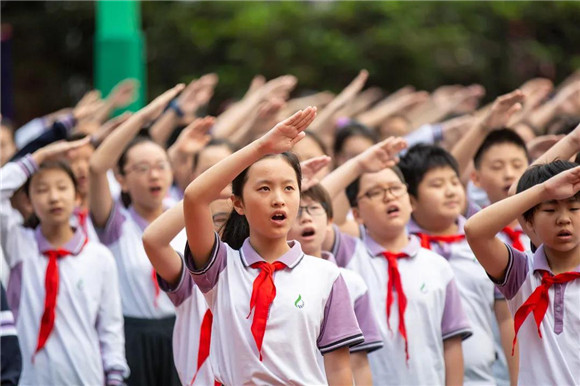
[558, 309]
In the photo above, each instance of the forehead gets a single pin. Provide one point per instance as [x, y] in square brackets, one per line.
[146, 151]
[445, 172]
[47, 176]
[358, 141]
[272, 169]
[304, 201]
[307, 148]
[220, 206]
[504, 151]
[82, 152]
[213, 154]
[384, 177]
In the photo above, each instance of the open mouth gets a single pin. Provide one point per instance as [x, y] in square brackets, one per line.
[308, 232]
[155, 190]
[56, 210]
[564, 234]
[278, 217]
[392, 209]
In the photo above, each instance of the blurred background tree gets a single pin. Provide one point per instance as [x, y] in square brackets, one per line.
[496, 44]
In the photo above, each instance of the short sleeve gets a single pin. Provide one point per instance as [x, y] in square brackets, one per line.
[454, 321]
[516, 273]
[113, 228]
[339, 327]
[206, 277]
[368, 324]
[179, 292]
[343, 248]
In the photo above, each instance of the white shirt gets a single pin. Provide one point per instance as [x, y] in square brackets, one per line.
[434, 311]
[87, 341]
[553, 359]
[311, 314]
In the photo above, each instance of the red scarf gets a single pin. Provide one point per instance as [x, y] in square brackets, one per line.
[82, 215]
[395, 282]
[155, 286]
[514, 235]
[263, 294]
[539, 300]
[204, 342]
[426, 239]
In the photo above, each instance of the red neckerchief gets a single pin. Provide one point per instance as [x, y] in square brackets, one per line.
[514, 235]
[204, 342]
[426, 239]
[395, 282]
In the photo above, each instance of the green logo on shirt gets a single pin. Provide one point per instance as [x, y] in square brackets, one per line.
[423, 288]
[299, 303]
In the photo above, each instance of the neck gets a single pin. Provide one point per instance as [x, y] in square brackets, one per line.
[147, 213]
[269, 249]
[394, 241]
[84, 204]
[57, 234]
[437, 227]
[316, 252]
[328, 242]
[560, 261]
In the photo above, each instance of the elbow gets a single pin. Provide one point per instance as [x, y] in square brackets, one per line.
[468, 229]
[95, 167]
[148, 239]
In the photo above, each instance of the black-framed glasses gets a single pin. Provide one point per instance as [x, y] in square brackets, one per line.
[312, 210]
[379, 193]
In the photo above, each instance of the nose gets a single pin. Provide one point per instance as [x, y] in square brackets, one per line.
[509, 173]
[277, 198]
[53, 195]
[563, 217]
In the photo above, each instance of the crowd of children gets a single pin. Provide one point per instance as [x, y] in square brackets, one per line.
[311, 240]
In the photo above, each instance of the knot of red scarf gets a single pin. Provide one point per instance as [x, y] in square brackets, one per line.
[539, 300]
[51, 283]
[514, 235]
[263, 294]
[426, 239]
[394, 282]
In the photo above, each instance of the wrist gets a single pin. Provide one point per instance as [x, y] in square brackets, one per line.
[176, 108]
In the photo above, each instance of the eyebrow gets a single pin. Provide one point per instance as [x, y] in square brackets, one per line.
[265, 181]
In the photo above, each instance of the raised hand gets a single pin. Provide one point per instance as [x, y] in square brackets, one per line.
[124, 93]
[563, 185]
[194, 137]
[502, 110]
[155, 108]
[106, 128]
[197, 93]
[381, 155]
[285, 134]
[541, 144]
[310, 168]
[58, 149]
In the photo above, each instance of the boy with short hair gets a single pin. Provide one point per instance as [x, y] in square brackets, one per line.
[546, 283]
[438, 198]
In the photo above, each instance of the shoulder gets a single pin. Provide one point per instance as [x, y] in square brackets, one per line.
[433, 262]
[318, 268]
[354, 282]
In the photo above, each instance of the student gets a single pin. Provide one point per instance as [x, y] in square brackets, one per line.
[546, 283]
[498, 163]
[144, 174]
[437, 198]
[63, 287]
[275, 308]
[423, 330]
[309, 229]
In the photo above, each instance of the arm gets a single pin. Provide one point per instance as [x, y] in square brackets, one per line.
[124, 93]
[59, 130]
[506, 331]
[107, 155]
[156, 239]
[208, 186]
[482, 227]
[337, 367]
[453, 356]
[361, 369]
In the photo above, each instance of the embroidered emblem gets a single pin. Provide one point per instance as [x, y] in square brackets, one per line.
[299, 303]
[80, 285]
[423, 288]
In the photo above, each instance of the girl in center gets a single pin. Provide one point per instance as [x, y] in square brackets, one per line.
[275, 308]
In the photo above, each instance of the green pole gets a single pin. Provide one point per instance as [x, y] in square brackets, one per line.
[119, 47]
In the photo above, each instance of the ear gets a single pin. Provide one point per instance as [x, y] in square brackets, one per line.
[356, 215]
[414, 203]
[238, 205]
[475, 178]
[122, 180]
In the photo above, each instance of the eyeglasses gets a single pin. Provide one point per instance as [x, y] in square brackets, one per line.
[378, 193]
[145, 168]
[312, 210]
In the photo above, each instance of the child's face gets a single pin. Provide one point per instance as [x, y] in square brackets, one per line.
[307, 149]
[210, 156]
[383, 212]
[440, 197]
[270, 198]
[79, 163]
[394, 126]
[310, 226]
[220, 211]
[557, 223]
[147, 175]
[501, 165]
[53, 196]
[352, 147]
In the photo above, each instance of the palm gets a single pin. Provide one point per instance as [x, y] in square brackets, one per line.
[502, 110]
[563, 185]
[286, 133]
[382, 155]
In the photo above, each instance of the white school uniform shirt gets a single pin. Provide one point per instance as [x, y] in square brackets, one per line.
[478, 296]
[87, 341]
[311, 314]
[190, 308]
[123, 236]
[434, 311]
[553, 359]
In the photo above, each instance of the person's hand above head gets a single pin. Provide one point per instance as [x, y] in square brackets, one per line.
[99, 135]
[58, 149]
[502, 110]
[197, 93]
[124, 93]
[541, 144]
[563, 185]
[155, 108]
[381, 155]
[88, 106]
[194, 137]
[309, 169]
[285, 134]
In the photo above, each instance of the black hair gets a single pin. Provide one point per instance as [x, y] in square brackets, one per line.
[319, 194]
[421, 159]
[538, 174]
[352, 190]
[139, 139]
[353, 129]
[33, 221]
[236, 229]
[215, 142]
[316, 138]
[562, 124]
[499, 137]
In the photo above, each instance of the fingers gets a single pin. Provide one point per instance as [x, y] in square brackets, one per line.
[507, 100]
[308, 116]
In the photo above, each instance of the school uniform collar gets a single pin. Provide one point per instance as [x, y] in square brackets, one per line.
[74, 245]
[328, 257]
[413, 227]
[290, 258]
[140, 221]
[541, 261]
[375, 249]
